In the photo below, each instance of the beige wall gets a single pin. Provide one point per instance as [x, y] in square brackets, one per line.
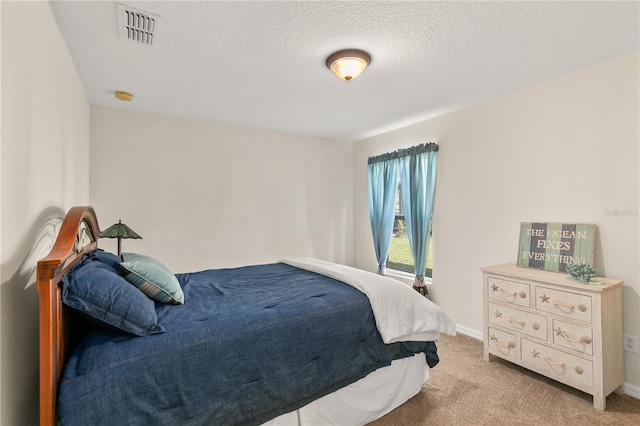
[566, 150]
[45, 123]
[205, 195]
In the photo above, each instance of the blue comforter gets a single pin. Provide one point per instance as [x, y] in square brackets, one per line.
[248, 345]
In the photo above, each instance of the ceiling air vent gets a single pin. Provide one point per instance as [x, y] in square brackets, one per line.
[137, 25]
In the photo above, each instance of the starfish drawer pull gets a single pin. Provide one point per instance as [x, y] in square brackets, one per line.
[545, 298]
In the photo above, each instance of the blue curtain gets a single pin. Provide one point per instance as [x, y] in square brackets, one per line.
[383, 186]
[418, 179]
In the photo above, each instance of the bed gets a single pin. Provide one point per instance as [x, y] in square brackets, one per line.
[296, 342]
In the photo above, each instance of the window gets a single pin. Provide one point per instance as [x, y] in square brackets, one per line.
[416, 187]
[400, 258]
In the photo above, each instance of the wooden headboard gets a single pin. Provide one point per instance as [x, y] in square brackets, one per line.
[78, 235]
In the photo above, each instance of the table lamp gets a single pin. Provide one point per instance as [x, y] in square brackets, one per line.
[119, 230]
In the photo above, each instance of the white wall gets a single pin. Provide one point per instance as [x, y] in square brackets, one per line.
[204, 195]
[45, 171]
[566, 150]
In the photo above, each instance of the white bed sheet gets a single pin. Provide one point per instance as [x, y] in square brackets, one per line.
[401, 313]
[366, 400]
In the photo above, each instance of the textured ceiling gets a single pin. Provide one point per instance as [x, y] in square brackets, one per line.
[261, 64]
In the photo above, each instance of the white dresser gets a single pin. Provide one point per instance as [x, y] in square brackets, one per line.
[547, 323]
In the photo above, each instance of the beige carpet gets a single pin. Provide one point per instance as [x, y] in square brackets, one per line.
[466, 390]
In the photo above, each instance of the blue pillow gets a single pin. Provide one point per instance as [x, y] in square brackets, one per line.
[106, 258]
[96, 290]
[152, 278]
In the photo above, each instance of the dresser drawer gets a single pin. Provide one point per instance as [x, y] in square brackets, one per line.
[567, 368]
[571, 336]
[509, 291]
[513, 319]
[503, 343]
[564, 303]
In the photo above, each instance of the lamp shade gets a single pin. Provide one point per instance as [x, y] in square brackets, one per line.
[348, 64]
[119, 230]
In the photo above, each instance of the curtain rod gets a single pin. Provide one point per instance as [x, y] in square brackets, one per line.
[405, 152]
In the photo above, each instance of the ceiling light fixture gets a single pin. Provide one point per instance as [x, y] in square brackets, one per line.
[348, 64]
[124, 96]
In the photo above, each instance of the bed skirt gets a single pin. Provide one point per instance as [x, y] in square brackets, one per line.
[364, 401]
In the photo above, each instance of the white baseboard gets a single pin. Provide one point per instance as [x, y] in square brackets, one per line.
[469, 332]
[632, 390]
[629, 389]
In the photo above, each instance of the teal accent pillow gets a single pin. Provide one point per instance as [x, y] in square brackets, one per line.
[152, 278]
[97, 291]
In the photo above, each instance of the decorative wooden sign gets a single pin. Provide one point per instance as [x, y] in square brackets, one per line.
[552, 246]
